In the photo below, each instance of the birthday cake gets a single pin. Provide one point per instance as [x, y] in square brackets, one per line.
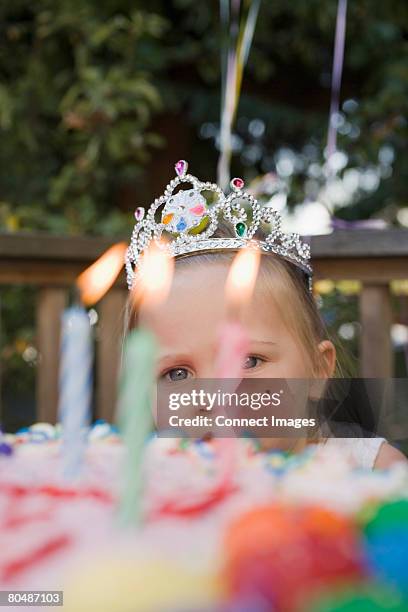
[283, 532]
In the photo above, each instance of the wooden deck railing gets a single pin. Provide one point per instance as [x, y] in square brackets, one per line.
[52, 263]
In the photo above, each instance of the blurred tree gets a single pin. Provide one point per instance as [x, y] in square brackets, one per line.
[286, 91]
[76, 98]
[82, 84]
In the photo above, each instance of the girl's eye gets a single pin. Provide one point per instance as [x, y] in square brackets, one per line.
[176, 374]
[251, 362]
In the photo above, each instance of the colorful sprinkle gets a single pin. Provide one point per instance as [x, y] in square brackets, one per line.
[6, 449]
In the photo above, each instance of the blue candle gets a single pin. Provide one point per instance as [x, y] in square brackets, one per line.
[75, 387]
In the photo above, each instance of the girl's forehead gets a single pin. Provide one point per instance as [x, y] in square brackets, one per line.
[196, 306]
[196, 301]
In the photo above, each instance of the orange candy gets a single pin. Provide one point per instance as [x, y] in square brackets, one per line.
[282, 553]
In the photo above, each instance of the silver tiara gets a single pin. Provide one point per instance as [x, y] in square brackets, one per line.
[187, 221]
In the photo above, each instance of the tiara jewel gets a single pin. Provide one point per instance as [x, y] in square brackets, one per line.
[188, 219]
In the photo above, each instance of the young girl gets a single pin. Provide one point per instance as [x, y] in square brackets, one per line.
[286, 333]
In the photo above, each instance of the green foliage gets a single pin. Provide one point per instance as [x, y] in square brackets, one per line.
[18, 357]
[287, 85]
[76, 104]
[81, 84]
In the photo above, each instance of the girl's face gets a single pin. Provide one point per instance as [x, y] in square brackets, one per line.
[187, 326]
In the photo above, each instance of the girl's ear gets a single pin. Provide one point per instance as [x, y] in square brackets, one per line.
[327, 359]
[327, 365]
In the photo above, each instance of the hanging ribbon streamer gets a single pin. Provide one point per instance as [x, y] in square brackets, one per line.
[236, 40]
[359, 224]
[336, 75]
[337, 72]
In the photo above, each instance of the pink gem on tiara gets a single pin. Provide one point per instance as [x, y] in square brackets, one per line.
[237, 183]
[197, 210]
[181, 167]
[139, 213]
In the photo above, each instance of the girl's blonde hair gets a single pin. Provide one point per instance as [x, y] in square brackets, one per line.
[280, 280]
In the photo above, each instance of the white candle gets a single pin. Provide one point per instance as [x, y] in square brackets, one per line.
[74, 408]
[75, 386]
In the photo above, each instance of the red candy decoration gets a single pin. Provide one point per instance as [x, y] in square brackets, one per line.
[57, 492]
[195, 508]
[285, 554]
[15, 520]
[11, 569]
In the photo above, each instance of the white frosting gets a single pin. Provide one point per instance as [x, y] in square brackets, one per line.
[324, 475]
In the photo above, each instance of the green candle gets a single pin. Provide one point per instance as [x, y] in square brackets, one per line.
[137, 384]
[135, 416]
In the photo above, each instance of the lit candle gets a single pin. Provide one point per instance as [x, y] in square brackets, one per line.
[96, 280]
[233, 343]
[138, 378]
[76, 359]
[233, 339]
[232, 349]
[75, 387]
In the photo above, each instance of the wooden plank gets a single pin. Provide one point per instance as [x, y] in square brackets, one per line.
[376, 356]
[46, 273]
[361, 243]
[64, 274]
[340, 244]
[343, 269]
[57, 260]
[109, 345]
[50, 304]
[376, 269]
[32, 245]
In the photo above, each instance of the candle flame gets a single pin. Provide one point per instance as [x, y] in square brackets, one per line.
[96, 280]
[154, 277]
[242, 277]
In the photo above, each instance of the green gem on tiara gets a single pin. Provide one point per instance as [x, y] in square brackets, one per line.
[240, 229]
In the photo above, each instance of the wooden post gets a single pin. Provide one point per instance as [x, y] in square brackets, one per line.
[1, 363]
[376, 359]
[110, 338]
[50, 304]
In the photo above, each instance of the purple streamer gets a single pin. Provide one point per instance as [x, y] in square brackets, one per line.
[336, 74]
[339, 224]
